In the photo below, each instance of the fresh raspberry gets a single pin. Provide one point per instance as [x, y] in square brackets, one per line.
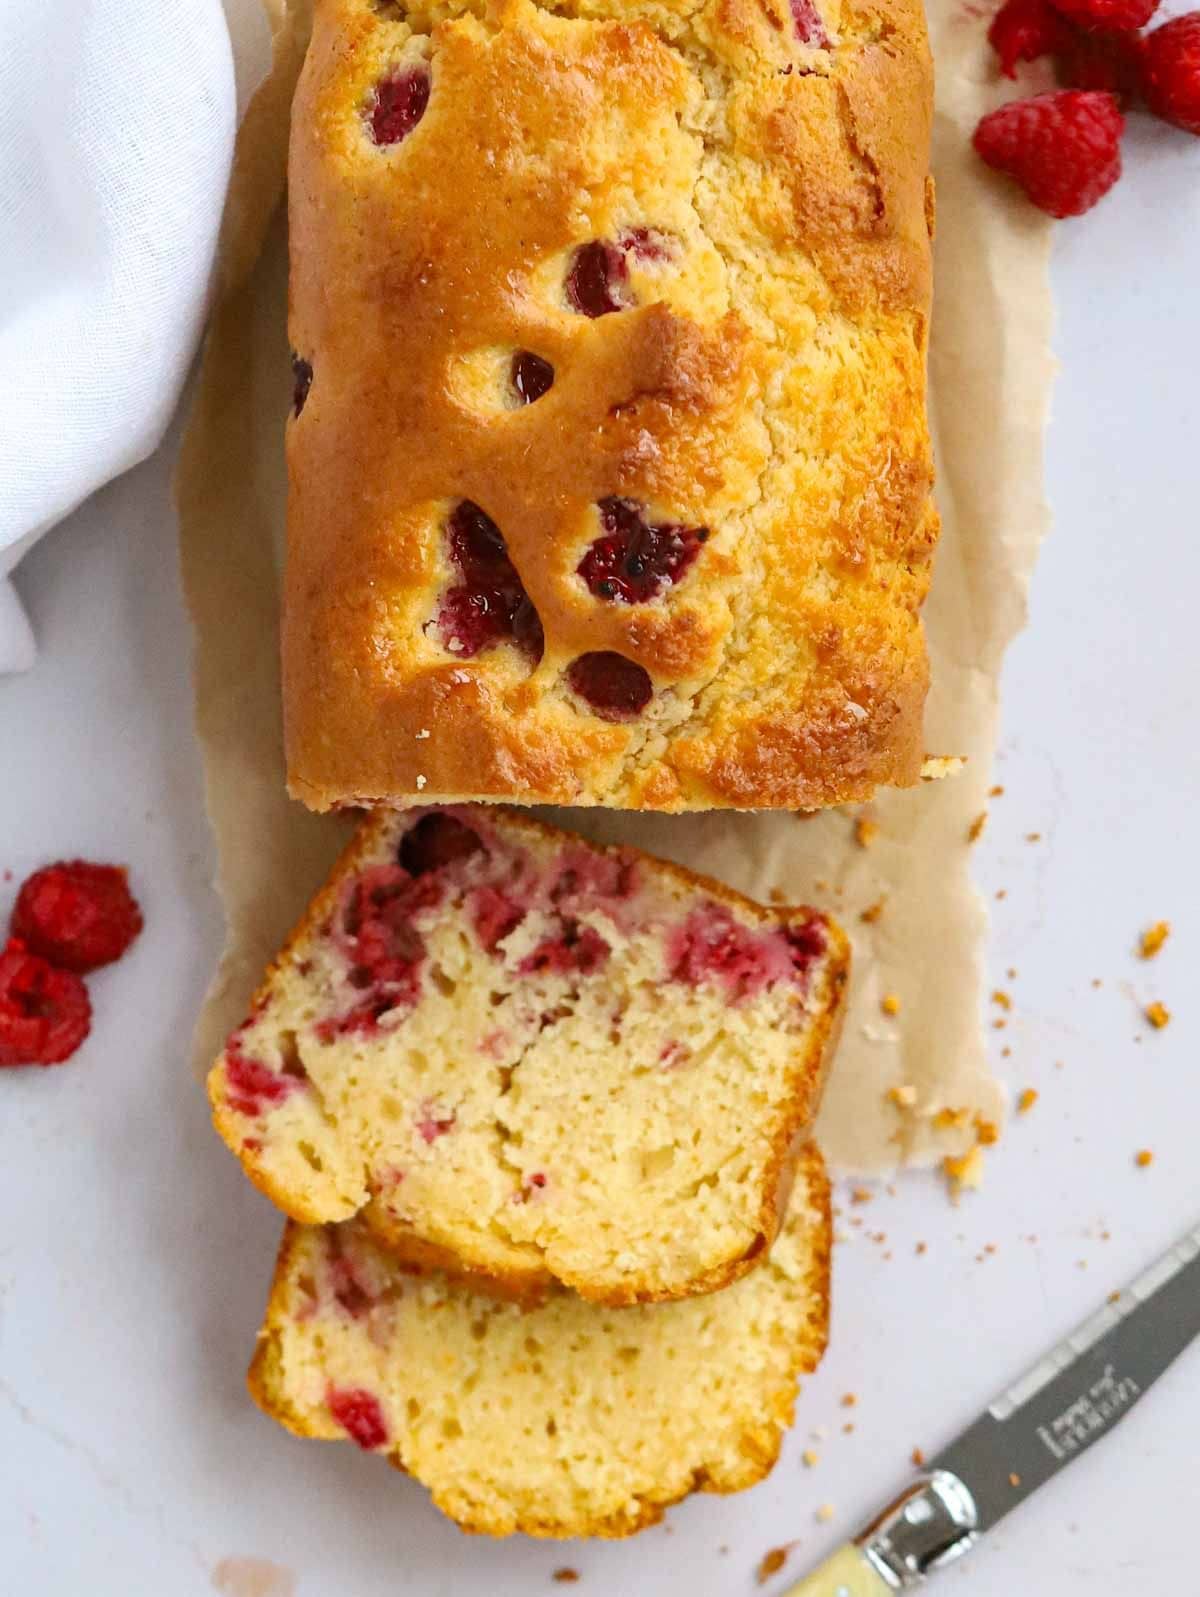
[636, 559]
[1111, 62]
[77, 915]
[616, 688]
[44, 1013]
[1023, 30]
[359, 1414]
[398, 105]
[1108, 14]
[1171, 71]
[1064, 149]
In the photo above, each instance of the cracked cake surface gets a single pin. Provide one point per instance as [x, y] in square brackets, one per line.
[609, 473]
[526, 1059]
[566, 1419]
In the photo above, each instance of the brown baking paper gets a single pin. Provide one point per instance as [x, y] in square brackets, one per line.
[990, 372]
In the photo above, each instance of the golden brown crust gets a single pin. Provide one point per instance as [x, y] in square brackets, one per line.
[529, 1284]
[769, 385]
[759, 1447]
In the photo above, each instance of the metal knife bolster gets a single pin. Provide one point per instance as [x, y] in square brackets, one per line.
[932, 1524]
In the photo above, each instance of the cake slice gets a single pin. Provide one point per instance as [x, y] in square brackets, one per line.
[530, 1059]
[563, 1420]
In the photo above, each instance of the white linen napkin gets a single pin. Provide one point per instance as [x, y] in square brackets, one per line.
[116, 135]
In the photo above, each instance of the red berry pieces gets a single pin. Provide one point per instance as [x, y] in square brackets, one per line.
[1110, 62]
[578, 950]
[807, 21]
[494, 915]
[531, 376]
[384, 947]
[712, 946]
[436, 841]
[1062, 148]
[1107, 14]
[399, 104]
[77, 915]
[44, 1013]
[430, 1125]
[1023, 30]
[490, 605]
[598, 279]
[647, 244]
[636, 559]
[615, 688]
[359, 1414]
[1171, 71]
[302, 375]
[251, 1087]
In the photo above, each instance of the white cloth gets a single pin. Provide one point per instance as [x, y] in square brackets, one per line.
[116, 134]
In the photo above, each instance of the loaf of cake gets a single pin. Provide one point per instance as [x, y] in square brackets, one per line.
[609, 472]
[527, 1059]
[562, 1420]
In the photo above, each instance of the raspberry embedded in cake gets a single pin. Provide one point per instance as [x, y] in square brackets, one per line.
[360, 1415]
[490, 605]
[494, 1009]
[647, 244]
[398, 104]
[806, 20]
[531, 376]
[302, 376]
[617, 689]
[634, 560]
[598, 279]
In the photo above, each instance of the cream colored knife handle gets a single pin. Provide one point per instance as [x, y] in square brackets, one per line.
[849, 1573]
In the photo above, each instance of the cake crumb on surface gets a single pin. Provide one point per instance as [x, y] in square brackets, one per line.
[1002, 999]
[975, 830]
[1027, 1100]
[1153, 938]
[996, 792]
[921, 1247]
[951, 1119]
[770, 1564]
[1157, 1014]
[1033, 837]
[964, 1171]
[825, 1513]
[904, 1096]
[1144, 1158]
[565, 1576]
[849, 1400]
[861, 1195]
[917, 1456]
[890, 1004]
[810, 1458]
[987, 1131]
[865, 831]
[1014, 1479]
[873, 911]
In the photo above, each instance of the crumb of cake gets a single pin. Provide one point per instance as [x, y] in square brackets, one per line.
[422, 734]
[1097, 982]
[935, 767]
[777, 896]
[951, 1119]
[865, 831]
[989, 1248]
[999, 1025]
[1006, 1053]
[825, 1513]
[848, 1428]
[890, 1004]
[872, 912]
[975, 830]
[996, 792]
[420, 783]
[1158, 1014]
[904, 1096]
[1114, 1297]
[921, 1247]
[565, 1576]
[861, 1195]
[1014, 1479]
[987, 1131]
[1002, 892]
[964, 1171]
[809, 1458]
[1001, 998]
[849, 1400]
[917, 1456]
[1011, 973]
[888, 1254]
[1153, 938]
[1027, 1100]
[770, 1564]
[1033, 837]
[1143, 1158]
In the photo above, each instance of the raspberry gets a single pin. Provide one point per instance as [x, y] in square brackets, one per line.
[44, 1013]
[1108, 14]
[807, 21]
[77, 915]
[1107, 61]
[616, 688]
[531, 376]
[302, 375]
[1171, 71]
[636, 559]
[359, 1414]
[398, 106]
[580, 949]
[1062, 148]
[494, 915]
[490, 605]
[1023, 30]
[598, 279]
[437, 840]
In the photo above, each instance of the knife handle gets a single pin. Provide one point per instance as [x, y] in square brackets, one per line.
[848, 1573]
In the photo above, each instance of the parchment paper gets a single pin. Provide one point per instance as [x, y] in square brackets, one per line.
[990, 373]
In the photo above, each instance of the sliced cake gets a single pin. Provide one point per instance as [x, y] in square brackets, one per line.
[530, 1059]
[567, 1419]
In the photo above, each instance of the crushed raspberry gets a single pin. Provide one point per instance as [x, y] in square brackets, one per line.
[711, 945]
[347, 1289]
[673, 1054]
[646, 244]
[579, 950]
[44, 1013]
[1111, 62]
[636, 559]
[580, 873]
[494, 915]
[383, 948]
[398, 105]
[359, 1414]
[808, 24]
[1171, 71]
[1023, 30]
[436, 841]
[302, 375]
[77, 915]
[598, 279]
[430, 1125]
[490, 605]
[531, 376]
[535, 1183]
[615, 688]
[1062, 148]
[806, 944]
[1107, 14]
[252, 1087]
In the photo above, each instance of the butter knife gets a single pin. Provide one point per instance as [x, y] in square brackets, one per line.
[1067, 1401]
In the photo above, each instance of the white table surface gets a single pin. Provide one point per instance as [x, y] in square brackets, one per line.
[133, 1260]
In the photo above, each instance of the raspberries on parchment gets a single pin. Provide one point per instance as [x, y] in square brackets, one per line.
[69, 918]
[1064, 148]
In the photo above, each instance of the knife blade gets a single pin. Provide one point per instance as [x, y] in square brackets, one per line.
[1037, 1426]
